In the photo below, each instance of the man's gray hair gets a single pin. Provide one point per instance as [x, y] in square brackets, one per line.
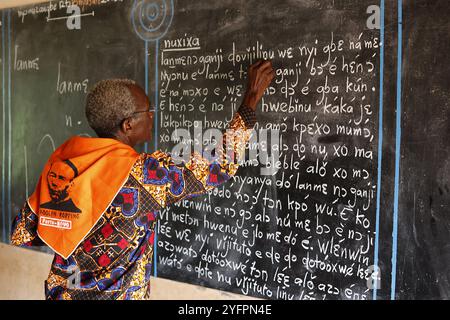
[108, 104]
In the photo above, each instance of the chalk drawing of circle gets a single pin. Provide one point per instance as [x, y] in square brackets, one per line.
[152, 12]
[151, 18]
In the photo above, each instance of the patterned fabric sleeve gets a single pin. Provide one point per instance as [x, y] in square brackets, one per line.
[170, 182]
[24, 229]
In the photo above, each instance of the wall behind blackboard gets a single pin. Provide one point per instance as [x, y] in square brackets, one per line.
[264, 236]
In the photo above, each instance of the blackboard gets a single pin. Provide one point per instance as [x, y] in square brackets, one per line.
[360, 102]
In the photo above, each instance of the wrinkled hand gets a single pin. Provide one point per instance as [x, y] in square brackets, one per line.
[260, 74]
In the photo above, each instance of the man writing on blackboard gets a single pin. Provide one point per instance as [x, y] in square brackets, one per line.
[97, 199]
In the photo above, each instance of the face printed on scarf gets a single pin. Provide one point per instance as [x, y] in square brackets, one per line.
[59, 179]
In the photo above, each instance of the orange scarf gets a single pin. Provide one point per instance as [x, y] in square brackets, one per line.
[78, 183]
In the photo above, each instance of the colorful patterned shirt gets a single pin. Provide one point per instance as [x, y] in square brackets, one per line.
[115, 259]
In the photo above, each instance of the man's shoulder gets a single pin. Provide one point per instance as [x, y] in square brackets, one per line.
[158, 155]
[148, 164]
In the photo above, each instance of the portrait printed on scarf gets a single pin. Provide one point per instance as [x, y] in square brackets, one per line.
[60, 180]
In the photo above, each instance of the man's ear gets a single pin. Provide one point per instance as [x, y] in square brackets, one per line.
[126, 125]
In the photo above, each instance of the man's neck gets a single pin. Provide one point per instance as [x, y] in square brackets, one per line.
[123, 139]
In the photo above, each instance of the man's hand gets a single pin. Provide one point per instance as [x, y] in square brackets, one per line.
[260, 74]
